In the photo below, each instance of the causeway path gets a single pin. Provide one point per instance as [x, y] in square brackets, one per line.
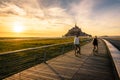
[87, 66]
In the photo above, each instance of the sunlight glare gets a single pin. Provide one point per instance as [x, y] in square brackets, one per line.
[18, 28]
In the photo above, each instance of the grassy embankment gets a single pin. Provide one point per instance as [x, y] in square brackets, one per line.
[13, 63]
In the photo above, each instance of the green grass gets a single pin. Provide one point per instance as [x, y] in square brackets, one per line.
[16, 44]
[16, 62]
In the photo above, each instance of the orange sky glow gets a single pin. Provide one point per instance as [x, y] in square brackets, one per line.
[36, 18]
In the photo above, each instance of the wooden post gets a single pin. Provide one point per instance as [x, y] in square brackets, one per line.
[63, 48]
[71, 46]
[35, 61]
[45, 57]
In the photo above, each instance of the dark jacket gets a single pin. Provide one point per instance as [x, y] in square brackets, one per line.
[95, 41]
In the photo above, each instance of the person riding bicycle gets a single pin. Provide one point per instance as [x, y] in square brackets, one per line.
[77, 45]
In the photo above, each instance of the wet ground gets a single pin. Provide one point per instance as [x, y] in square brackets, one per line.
[115, 42]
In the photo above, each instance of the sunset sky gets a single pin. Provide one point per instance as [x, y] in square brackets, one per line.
[53, 18]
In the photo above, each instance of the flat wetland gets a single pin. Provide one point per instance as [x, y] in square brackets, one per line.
[15, 62]
[10, 44]
[115, 40]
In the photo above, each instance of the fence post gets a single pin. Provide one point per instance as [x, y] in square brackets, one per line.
[44, 57]
[63, 48]
[35, 61]
[72, 46]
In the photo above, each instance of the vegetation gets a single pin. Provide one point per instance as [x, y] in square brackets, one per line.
[15, 62]
[21, 43]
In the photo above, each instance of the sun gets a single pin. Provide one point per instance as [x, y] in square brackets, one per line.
[18, 29]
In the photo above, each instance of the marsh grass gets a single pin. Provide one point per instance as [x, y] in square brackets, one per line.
[16, 44]
[16, 62]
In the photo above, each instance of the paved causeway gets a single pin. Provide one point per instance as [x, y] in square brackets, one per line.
[88, 66]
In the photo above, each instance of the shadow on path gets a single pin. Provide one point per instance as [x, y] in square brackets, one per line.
[56, 72]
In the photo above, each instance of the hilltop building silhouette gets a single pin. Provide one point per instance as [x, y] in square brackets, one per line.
[76, 31]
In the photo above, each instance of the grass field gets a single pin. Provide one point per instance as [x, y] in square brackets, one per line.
[16, 62]
[10, 44]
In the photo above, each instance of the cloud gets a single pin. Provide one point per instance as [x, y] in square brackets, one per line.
[95, 21]
[54, 15]
[9, 8]
[41, 9]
